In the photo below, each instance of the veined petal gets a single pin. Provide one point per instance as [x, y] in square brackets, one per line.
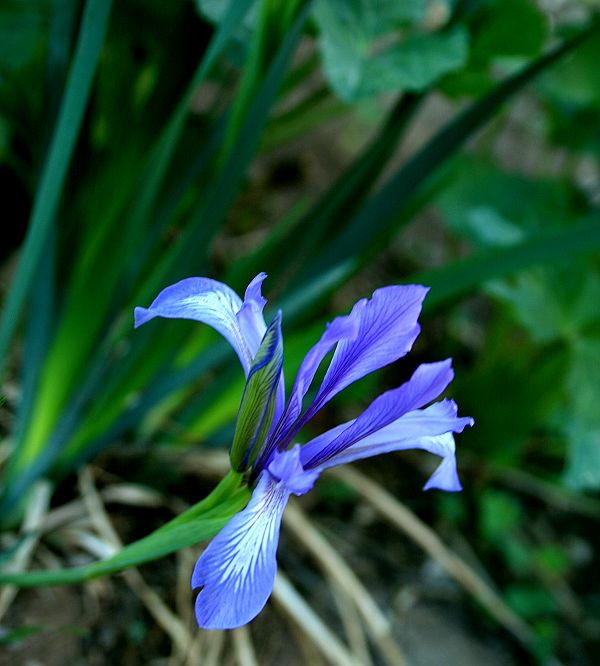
[426, 384]
[256, 410]
[215, 304]
[340, 328]
[237, 570]
[375, 333]
[403, 433]
[428, 429]
[387, 328]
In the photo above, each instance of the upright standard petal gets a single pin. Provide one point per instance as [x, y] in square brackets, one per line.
[250, 316]
[426, 384]
[341, 328]
[375, 333]
[387, 328]
[215, 304]
[237, 570]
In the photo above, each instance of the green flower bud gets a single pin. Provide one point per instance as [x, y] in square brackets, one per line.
[255, 414]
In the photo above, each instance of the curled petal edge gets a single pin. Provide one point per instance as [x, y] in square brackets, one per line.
[213, 303]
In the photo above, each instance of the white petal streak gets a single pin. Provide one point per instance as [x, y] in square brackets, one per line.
[237, 570]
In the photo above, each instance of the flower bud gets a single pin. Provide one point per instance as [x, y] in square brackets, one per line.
[255, 414]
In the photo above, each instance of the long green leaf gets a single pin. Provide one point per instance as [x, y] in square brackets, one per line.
[210, 213]
[199, 522]
[466, 275]
[89, 44]
[161, 154]
[378, 216]
[86, 307]
[40, 312]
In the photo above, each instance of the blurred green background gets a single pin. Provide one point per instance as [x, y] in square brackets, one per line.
[338, 145]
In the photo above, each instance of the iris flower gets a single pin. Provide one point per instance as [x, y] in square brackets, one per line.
[237, 570]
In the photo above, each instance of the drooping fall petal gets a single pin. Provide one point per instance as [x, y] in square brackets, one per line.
[237, 570]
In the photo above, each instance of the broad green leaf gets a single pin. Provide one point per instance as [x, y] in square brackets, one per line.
[582, 416]
[557, 245]
[199, 522]
[414, 64]
[22, 28]
[357, 65]
[493, 37]
[485, 205]
[553, 303]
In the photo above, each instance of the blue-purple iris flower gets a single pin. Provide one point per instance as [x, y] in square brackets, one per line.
[237, 570]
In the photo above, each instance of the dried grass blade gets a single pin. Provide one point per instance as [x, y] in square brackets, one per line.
[400, 516]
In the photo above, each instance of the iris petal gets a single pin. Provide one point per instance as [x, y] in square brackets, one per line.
[418, 429]
[428, 429]
[237, 569]
[445, 476]
[426, 383]
[250, 316]
[340, 328]
[286, 467]
[241, 323]
[377, 332]
[387, 328]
